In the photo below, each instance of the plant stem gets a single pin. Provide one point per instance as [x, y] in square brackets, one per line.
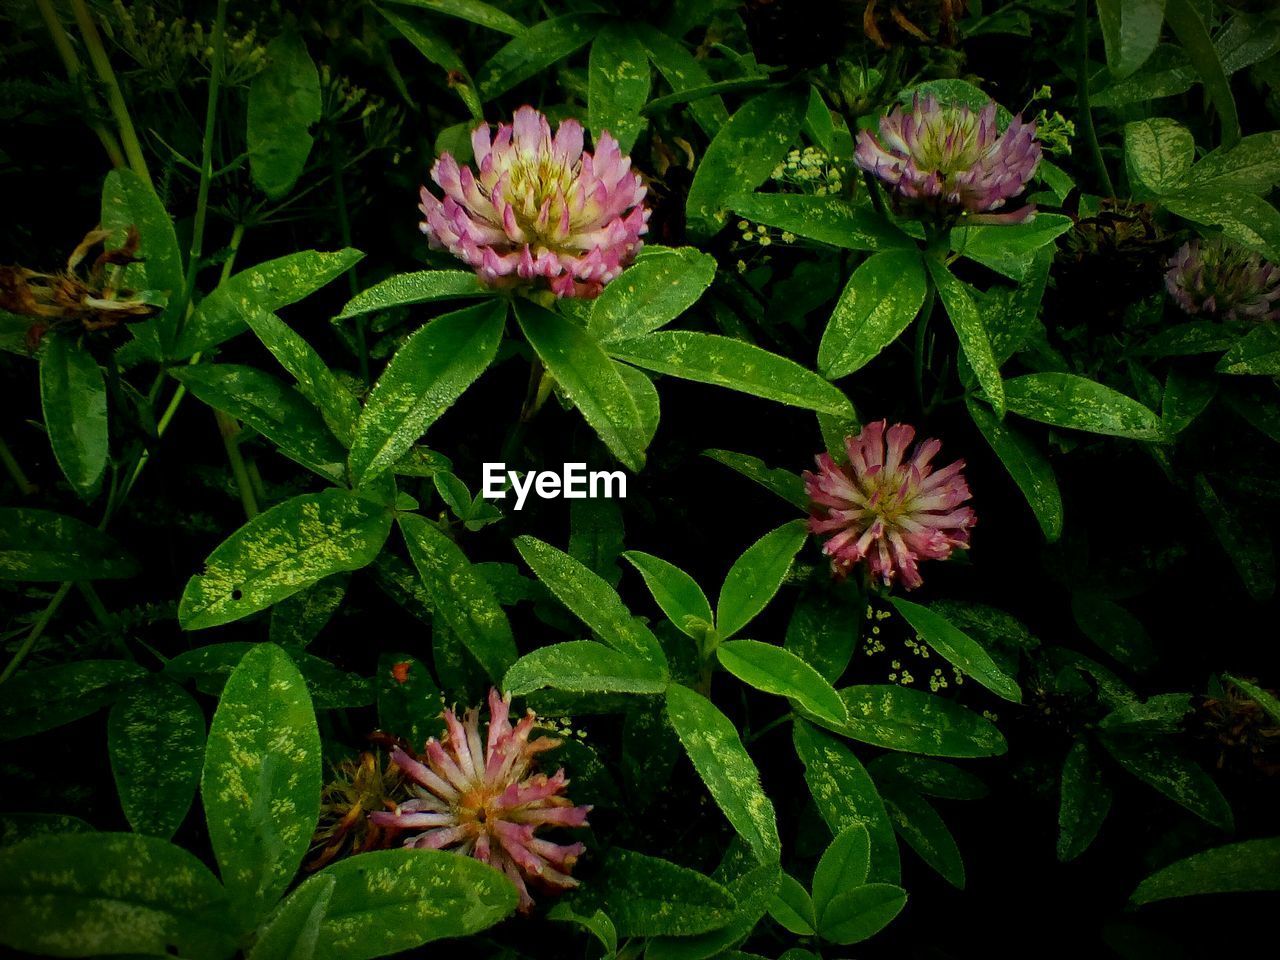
[72, 62]
[196, 250]
[230, 431]
[771, 725]
[11, 464]
[115, 97]
[94, 601]
[1082, 94]
[36, 630]
[922, 325]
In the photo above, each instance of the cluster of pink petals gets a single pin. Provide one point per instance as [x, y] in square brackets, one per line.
[888, 506]
[538, 209]
[484, 799]
[1219, 279]
[948, 160]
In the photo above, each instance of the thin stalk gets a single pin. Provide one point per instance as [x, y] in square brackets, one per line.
[115, 97]
[11, 464]
[96, 606]
[72, 62]
[37, 630]
[344, 231]
[922, 326]
[1082, 96]
[196, 250]
[230, 431]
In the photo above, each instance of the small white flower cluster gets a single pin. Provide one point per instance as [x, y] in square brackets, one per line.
[812, 170]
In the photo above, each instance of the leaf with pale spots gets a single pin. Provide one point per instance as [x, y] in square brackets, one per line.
[677, 593]
[754, 890]
[711, 741]
[651, 897]
[280, 552]
[1245, 867]
[830, 220]
[656, 290]
[90, 894]
[534, 50]
[261, 781]
[756, 576]
[900, 718]
[155, 738]
[1068, 400]
[958, 648]
[16, 827]
[1182, 780]
[617, 85]
[779, 671]
[39, 700]
[406, 289]
[583, 666]
[39, 545]
[1026, 464]
[73, 398]
[918, 823]
[846, 796]
[377, 904]
[880, 300]
[1084, 801]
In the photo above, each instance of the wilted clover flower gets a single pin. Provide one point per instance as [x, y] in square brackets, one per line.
[948, 160]
[483, 799]
[888, 506]
[538, 207]
[1223, 280]
[359, 787]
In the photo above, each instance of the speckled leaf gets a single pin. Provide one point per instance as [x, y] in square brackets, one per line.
[784, 483]
[39, 545]
[831, 220]
[824, 627]
[409, 702]
[1243, 217]
[73, 396]
[651, 293]
[958, 648]
[1029, 468]
[293, 932]
[792, 907]
[460, 597]
[1157, 154]
[261, 781]
[473, 11]
[264, 288]
[296, 620]
[917, 822]
[540, 47]
[1181, 780]
[711, 741]
[900, 718]
[388, 901]
[677, 593]
[754, 891]
[155, 738]
[1253, 164]
[583, 666]
[740, 156]
[1067, 400]
[1084, 803]
[279, 552]
[617, 84]
[846, 796]
[880, 300]
[591, 599]
[846, 863]
[779, 671]
[756, 576]
[597, 924]
[1248, 866]
[129, 201]
[210, 666]
[590, 380]
[275, 410]
[1010, 249]
[736, 364]
[1187, 21]
[858, 914]
[931, 778]
[315, 381]
[1257, 353]
[1130, 32]
[89, 894]
[441, 52]
[284, 103]
[1113, 628]
[650, 897]
[424, 378]
[1267, 701]
[686, 74]
[405, 289]
[16, 827]
[39, 700]
[957, 298]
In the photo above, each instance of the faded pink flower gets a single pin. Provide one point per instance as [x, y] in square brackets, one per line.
[1217, 278]
[950, 160]
[483, 799]
[538, 207]
[888, 506]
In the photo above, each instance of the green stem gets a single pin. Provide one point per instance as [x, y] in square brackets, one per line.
[196, 250]
[230, 431]
[1082, 95]
[72, 62]
[115, 97]
[922, 326]
[37, 630]
[771, 725]
[11, 464]
[96, 606]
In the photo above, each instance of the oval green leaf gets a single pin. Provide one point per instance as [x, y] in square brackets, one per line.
[958, 648]
[779, 671]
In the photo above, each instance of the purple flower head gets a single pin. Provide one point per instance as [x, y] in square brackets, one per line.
[889, 506]
[1220, 279]
[948, 160]
[538, 209]
[483, 798]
